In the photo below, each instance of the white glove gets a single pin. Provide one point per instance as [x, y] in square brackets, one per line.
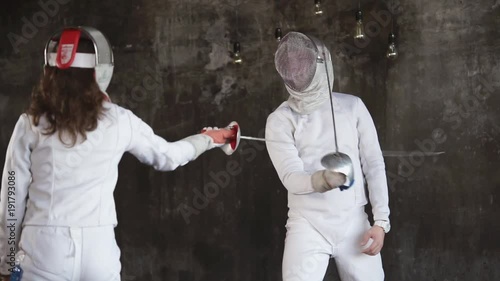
[325, 180]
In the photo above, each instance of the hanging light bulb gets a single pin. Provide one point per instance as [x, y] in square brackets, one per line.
[359, 32]
[278, 34]
[392, 52]
[317, 8]
[236, 53]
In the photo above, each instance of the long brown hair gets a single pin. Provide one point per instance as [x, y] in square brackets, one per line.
[70, 99]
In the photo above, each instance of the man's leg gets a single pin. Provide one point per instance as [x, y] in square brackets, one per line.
[352, 263]
[306, 254]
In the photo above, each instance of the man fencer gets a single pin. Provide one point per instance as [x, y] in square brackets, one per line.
[325, 221]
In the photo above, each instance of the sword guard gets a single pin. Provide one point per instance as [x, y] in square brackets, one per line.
[230, 147]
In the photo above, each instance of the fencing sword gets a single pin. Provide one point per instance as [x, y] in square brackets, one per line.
[230, 147]
[263, 140]
[385, 153]
[235, 127]
[335, 161]
[396, 153]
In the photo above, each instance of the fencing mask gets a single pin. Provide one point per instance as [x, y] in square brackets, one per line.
[300, 61]
[61, 52]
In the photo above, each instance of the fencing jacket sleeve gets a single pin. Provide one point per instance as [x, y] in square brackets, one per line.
[285, 156]
[153, 150]
[372, 163]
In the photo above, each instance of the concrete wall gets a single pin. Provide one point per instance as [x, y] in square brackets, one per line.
[173, 70]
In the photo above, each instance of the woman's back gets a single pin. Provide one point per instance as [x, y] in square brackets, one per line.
[73, 185]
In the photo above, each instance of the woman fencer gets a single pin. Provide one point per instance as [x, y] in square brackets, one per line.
[62, 166]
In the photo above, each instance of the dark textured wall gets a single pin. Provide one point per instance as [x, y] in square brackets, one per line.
[174, 71]
[444, 92]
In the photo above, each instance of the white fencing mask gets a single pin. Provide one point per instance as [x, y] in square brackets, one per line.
[300, 60]
[61, 52]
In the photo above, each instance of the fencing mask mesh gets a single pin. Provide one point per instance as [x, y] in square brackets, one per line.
[295, 60]
[300, 61]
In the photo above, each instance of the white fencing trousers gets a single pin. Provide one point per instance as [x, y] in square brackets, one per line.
[307, 253]
[70, 254]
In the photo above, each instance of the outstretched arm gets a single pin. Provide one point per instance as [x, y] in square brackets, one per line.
[167, 156]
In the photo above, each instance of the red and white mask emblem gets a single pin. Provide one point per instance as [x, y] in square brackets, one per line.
[66, 53]
[68, 44]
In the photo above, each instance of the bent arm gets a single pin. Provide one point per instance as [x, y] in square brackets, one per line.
[285, 156]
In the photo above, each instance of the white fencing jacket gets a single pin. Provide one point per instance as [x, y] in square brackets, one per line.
[52, 184]
[306, 139]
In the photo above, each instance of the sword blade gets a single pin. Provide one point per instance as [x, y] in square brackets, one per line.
[262, 139]
[385, 153]
[393, 153]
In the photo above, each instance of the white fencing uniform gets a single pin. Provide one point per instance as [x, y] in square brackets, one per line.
[67, 193]
[70, 253]
[330, 224]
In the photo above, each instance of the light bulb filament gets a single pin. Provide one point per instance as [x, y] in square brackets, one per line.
[317, 7]
[359, 32]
